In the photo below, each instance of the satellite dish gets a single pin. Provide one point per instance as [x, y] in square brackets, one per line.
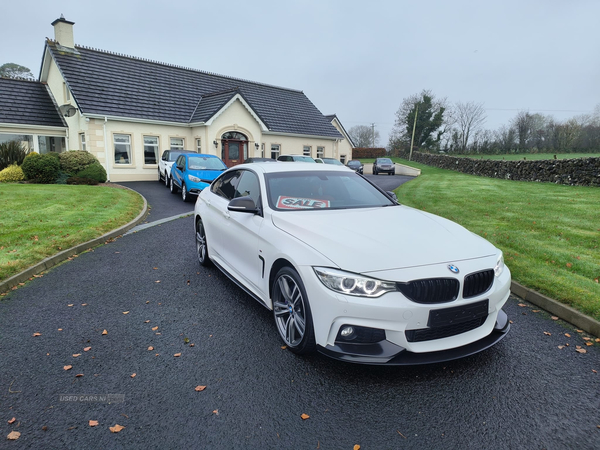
[67, 110]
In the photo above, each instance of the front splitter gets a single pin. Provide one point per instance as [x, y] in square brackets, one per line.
[389, 354]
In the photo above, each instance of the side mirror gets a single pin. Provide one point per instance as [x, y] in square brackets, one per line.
[392, 195]
[180, 167]
[243, 204]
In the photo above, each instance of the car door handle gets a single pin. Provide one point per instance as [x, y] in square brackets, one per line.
[226, 214]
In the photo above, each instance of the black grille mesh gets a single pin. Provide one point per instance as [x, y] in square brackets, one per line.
[477, 283]
[430, 290]
[430, 334]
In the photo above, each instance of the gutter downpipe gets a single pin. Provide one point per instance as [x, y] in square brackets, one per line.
[106, 150]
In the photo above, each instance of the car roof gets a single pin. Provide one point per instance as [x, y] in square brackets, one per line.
[267, 167]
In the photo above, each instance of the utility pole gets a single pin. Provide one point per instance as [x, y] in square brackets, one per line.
[373, 128]
[412, 140]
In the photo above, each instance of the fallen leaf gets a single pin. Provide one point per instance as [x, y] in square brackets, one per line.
[67, 367]
[199, 388]
[87, 349]
[589, 344]
[84, 304]
[13, 435]
[155, 268]
[561, 347]
[356, 447]
[579, 331]
[104, 333]
[594, 370]
[11, 421]
[547, 334]
[304, 416]
[116, 428]
[147, 321]
[70, 305]
[216, 411]
[535, 310]
[522, 305]
[177, 355]
[44, 428]
[93, 423]
[79, 375]
[567, 335]
[155, 328]
[76, 355]
[192, 345]
[125, 312]
[133, 375]
[60, 329]
[569, 265]
[147, 302]
[283, 347]
[157, 281]
[554, 318]
[37, 334]
[587, 339]
[150, 348]
[581, 350]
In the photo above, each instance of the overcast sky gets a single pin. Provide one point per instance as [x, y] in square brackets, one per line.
[357, 59]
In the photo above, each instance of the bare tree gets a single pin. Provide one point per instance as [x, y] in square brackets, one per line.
[469, 118]
[364, 136]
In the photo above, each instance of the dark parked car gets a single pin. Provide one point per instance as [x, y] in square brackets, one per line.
[384, 165]
[355, 165]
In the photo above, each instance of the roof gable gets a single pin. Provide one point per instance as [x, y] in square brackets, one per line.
[121, 86]
[25, 102]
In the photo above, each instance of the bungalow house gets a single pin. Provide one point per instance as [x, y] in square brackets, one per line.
[29, 115]
[127, 110]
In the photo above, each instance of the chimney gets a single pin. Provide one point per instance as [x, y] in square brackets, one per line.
[63, 32]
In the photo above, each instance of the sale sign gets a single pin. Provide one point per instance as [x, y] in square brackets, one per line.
[284, 202]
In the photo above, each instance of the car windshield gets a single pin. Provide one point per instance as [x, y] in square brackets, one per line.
[332, 161]
[303, 159]
[294, 191]
[205, 163]
[354, 163]
[384, 161]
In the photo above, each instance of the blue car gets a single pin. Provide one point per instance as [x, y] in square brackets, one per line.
[192, 172]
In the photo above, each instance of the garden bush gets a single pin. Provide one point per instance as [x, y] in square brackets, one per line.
[79, 180]
[74, 161]
[94, 171]
[11, 174]
[41, 168]
[12, 152]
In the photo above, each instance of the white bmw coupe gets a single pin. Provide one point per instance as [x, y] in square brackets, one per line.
[349, 271]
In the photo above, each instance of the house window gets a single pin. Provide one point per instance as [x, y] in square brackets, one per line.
[150, 149]
[51, 144]
[343, 159]
[275, 150]
[82, 141]
[199, 145]
[320, 152]
[122, 143]
[177, 143]
[307, 150]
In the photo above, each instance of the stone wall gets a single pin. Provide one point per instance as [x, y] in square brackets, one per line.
[574, 172]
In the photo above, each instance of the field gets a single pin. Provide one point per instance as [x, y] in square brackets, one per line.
[550, 234]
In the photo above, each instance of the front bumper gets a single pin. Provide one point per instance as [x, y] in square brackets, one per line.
[387, 353]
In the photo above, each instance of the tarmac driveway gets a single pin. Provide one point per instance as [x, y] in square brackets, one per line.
[173, 328]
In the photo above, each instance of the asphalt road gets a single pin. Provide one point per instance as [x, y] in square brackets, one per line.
[525, 392]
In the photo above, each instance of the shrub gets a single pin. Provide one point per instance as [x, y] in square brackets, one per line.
[12, 152]
[79, 180]
[41, 168]
[11, 174]
[75, 161]
[94, 171]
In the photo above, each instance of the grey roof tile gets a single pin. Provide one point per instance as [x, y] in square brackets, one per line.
[24, 102]
[117, 85]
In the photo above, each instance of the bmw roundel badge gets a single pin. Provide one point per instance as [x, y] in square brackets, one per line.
[452, 268]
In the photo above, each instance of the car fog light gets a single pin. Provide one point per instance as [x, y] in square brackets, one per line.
[347, 332]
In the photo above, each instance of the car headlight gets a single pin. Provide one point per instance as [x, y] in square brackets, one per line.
[353, 284]
[194, 179]
[499, 267]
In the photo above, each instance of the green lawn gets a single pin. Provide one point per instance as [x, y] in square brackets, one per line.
[532, 156]
[550, 234]
[40, 220]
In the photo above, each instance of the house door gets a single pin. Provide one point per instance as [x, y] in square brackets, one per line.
[234, 148]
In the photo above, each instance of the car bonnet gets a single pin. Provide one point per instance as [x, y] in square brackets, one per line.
[375, 239]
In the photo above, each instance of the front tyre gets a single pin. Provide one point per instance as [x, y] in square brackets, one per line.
[291, 311]
[201, 245]
[185, 196]
[166, 179]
